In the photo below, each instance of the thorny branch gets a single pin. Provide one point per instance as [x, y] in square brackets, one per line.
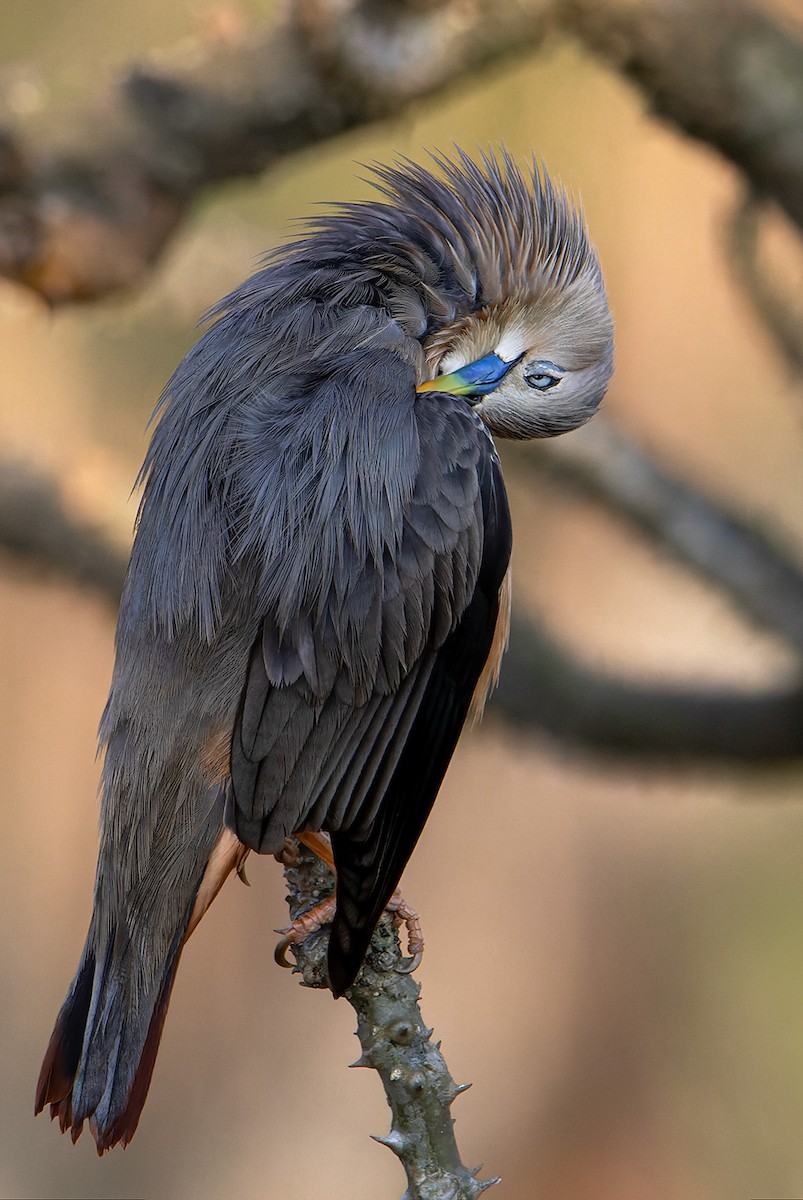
[394, 1041]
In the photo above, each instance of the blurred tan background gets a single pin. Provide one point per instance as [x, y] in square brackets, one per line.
[615, 951]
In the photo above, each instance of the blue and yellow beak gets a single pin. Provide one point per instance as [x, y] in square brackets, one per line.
[475, 379]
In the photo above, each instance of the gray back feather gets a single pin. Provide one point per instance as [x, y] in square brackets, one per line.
[272, 398]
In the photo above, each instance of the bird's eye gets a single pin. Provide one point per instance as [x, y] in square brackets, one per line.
[542, 376]
[542, 382]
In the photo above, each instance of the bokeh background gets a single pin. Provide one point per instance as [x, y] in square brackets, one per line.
[615, 948]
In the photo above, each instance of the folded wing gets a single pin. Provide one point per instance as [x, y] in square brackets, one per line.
[352, 707]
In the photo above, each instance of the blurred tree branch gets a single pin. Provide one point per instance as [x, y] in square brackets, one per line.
[781, 314]
[543, 685]
[81, 219]
[37, 529]
[90, 211]
[727, 72]
[737, 556]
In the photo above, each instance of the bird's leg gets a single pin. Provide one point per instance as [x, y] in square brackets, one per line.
[303, 927]
[403, 914]
[321, 914]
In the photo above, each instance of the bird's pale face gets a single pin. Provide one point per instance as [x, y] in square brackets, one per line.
[533, 370]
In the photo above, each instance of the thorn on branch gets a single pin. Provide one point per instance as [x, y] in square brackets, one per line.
[397, 1044]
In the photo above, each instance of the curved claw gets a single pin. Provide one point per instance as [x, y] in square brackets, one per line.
[280, 953]
[302, 928]
[411, 965]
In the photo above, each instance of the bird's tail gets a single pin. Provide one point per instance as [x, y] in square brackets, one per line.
[100, 1058]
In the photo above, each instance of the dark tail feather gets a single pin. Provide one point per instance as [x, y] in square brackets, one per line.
[64, 1048]
[104, 1078]
[123, 1128]
[361, 897]
[370, 861]
[368, 865]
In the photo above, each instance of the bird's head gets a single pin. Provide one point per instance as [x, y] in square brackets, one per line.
[532, 369]
[489, 272]
[534, 351]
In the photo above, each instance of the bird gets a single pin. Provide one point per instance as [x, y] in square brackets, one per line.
[318, 594]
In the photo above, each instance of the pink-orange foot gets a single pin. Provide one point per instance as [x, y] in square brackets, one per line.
[321, 914]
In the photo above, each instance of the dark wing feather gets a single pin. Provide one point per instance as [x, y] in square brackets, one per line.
[349, 716]
[371, 855]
